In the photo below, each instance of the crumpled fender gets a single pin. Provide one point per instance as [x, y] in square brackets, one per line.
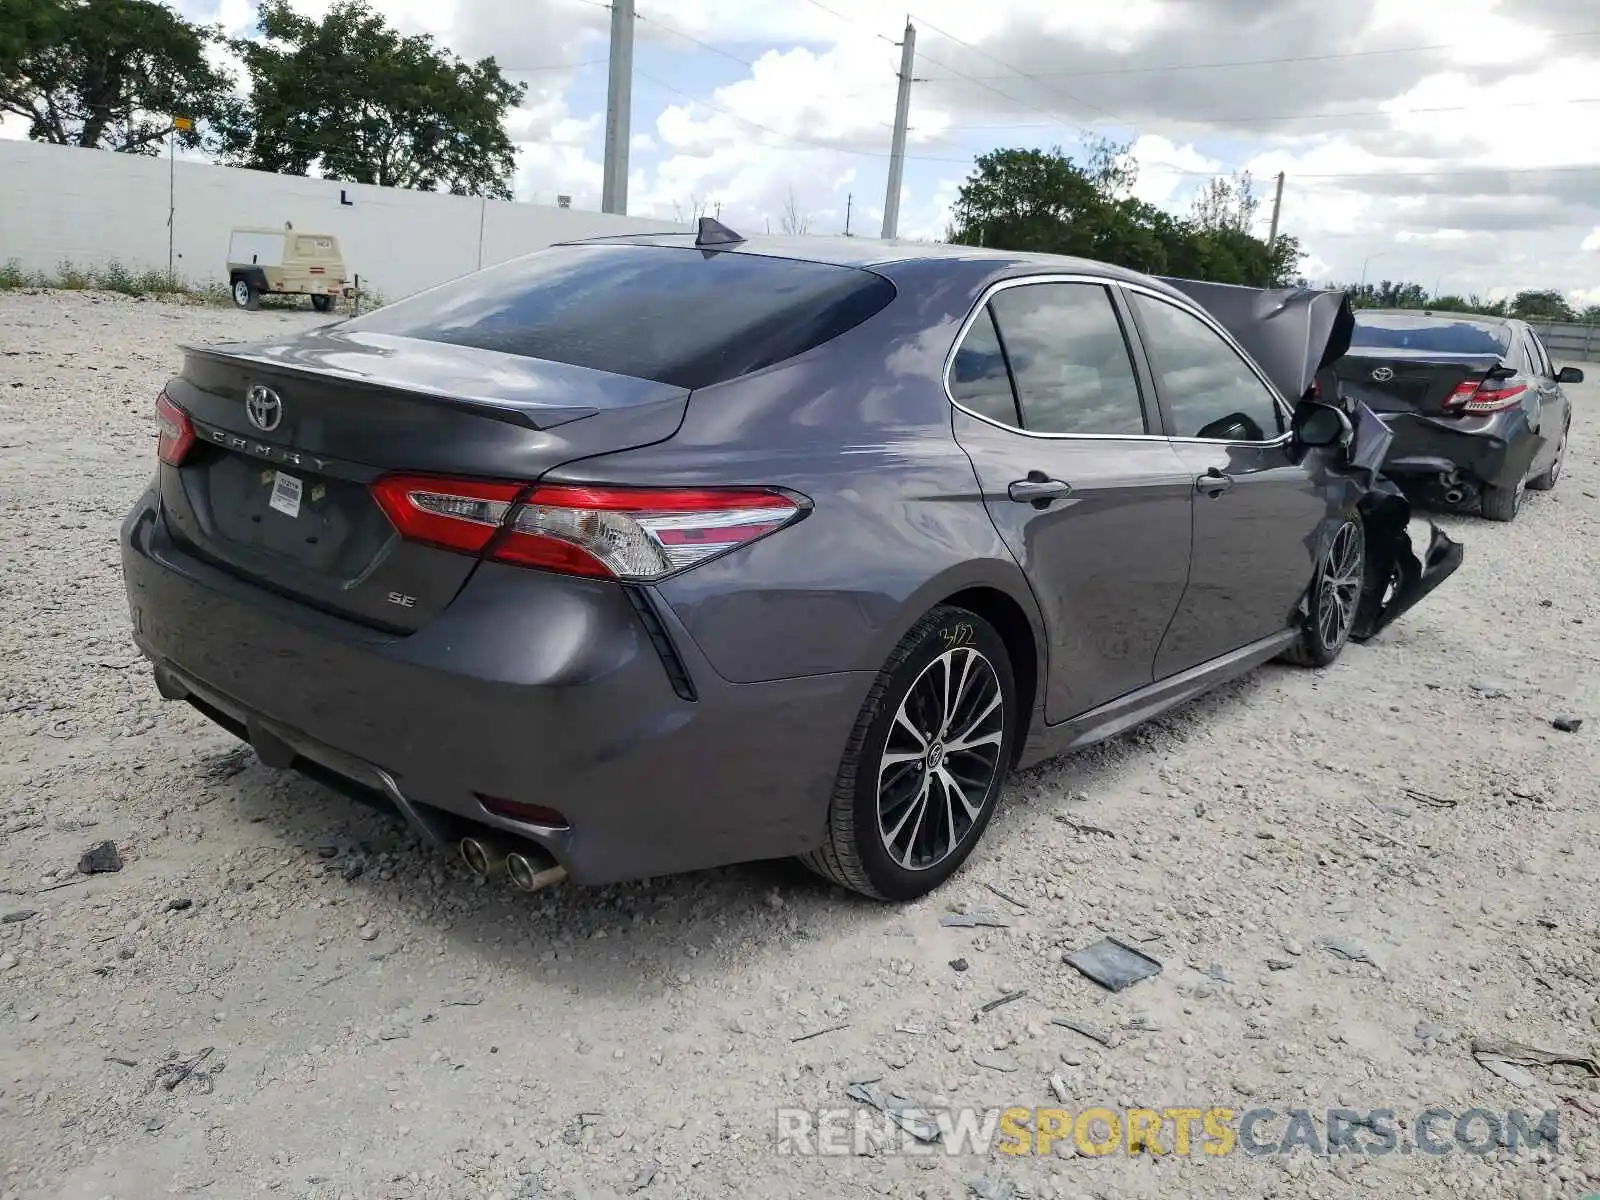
[1399, 572]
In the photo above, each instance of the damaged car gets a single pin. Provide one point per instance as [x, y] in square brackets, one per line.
[649, 554]
[1476, 406]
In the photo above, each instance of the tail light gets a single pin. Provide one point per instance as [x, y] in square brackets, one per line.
[636, 534]
[174, 432]
[1487, 396]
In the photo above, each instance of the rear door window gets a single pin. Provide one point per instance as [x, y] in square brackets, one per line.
[1541, 359]
[979, 381]
[1070, 359]
[677, 316]
[1208, 387]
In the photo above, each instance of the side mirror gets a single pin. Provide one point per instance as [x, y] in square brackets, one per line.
[1322, 425]
[1569, 375]
[1235, 427]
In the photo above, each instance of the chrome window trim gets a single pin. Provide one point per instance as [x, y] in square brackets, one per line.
[1106, 281]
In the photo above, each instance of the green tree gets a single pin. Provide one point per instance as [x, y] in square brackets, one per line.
[1590, 315]
[349, 95]
[1547, 305]
[110, 74]
[1226, 205]
[1044, 201]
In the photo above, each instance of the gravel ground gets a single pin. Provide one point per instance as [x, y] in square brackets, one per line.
[281, 993]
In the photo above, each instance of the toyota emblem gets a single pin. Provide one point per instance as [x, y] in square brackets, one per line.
[264, 407]
[1381, 374]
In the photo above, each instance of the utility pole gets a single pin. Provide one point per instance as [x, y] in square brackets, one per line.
[897, 148]
[849, 200]
[1277, 207]
[619, 110]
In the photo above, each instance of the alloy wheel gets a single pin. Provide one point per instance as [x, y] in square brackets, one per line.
[241, 293]
[1340, 585]
[940, 758]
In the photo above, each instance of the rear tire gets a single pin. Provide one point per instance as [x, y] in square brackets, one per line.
[1334, 597]
[322, 303]
[245, 295]
[1500, 503]
[926, 761]
[1547, 481]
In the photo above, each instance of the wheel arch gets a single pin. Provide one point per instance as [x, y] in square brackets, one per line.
[1011, 622]
[997, 591]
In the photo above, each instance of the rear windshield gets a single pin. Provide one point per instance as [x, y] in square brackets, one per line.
[1437, 335]
[677, 316]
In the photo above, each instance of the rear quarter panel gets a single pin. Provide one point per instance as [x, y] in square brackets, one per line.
[862, 426]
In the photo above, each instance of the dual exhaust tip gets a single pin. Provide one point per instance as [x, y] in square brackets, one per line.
[530, 869]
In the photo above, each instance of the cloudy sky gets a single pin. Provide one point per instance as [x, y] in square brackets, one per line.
[1453, 142]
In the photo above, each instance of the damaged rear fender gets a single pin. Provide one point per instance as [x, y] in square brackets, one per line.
[1400, 572]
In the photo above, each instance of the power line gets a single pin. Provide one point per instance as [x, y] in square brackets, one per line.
[1333, 116]
[1261, 62]
[1065, 95]
[798, 140]
[689, 37]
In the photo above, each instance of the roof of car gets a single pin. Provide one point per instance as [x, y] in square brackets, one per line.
[876, 252]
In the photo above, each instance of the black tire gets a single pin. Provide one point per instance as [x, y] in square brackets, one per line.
[1500, 503]
[857, 853]
[245, 294]
[1335, 595]
[1547, 481]
[322, 303]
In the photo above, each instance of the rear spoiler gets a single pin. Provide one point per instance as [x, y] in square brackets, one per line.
[1292, 333]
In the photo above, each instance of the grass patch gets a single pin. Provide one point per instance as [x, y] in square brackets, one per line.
[116, 277]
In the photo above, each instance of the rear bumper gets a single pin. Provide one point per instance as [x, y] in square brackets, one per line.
[1495, 449]
[529, 687]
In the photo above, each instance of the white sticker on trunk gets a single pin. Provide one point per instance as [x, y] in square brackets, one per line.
[286, 491]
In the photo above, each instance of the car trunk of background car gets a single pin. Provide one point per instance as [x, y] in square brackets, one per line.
[1426, 382]
[288, 447]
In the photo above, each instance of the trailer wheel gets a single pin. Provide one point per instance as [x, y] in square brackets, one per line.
[245, 294]
[322, 303]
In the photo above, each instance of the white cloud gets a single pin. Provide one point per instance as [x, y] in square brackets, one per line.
[1592, 242]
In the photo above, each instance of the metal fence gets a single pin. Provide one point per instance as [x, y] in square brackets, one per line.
[1568, 340]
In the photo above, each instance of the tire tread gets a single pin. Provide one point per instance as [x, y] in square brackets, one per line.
[837, 858]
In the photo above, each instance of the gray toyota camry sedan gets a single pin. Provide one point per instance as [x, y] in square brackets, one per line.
[647, 554]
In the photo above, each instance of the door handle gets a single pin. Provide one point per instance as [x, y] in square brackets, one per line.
[1038, 488]
[1213, 483]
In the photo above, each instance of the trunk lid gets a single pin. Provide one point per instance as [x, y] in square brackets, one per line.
[1411, 381]
[283, 497]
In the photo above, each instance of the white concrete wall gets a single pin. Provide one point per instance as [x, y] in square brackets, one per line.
[90, 207]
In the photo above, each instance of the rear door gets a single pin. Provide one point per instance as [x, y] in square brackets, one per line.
[1552, 417]
[1052, 411]
[1256, 510]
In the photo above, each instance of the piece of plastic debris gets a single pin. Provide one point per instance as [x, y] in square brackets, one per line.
[979, 916]
[1009, 899]
[1112, 964]
[100, 859]
[986, 1187]
[1568, 724]
[1093, 1032]
[1513, 1075]
[1348, 949]
[816, 1033]
[1532, 1056]
[916, 1121]
[996, 1062]
[1003, 1000]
